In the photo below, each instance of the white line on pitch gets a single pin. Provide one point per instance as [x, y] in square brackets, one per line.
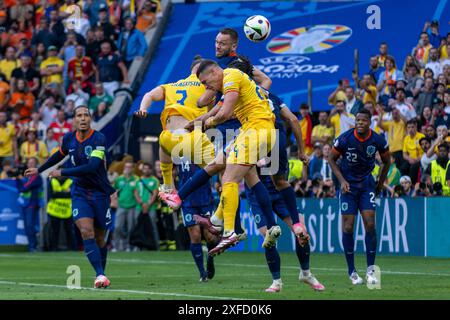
[28, 284]
[142, 261]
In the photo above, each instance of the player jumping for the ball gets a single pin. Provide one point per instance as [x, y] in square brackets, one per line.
[358, 147]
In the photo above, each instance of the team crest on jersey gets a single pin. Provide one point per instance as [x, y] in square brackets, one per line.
[88, 151]
[371, 150]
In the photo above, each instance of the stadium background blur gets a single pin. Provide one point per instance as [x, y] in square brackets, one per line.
[48, 67]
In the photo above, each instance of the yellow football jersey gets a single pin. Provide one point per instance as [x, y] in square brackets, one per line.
[181, 99]
[252, 104]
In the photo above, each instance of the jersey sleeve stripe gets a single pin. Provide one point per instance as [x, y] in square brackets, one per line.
[60, 150]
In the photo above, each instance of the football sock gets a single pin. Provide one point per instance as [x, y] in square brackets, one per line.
[194, 182]
[103, 254]
[349, 244]
[273, 261]
[93, 254]
[166, 171]
[217, 217]
[210, 246]
[371, 247]
[237, 220]
[229, 201]
[263, 198]
[303, 255]
[289, 197]
[197, 254]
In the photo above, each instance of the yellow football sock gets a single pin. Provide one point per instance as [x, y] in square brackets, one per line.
[166, 170]
[229, 202]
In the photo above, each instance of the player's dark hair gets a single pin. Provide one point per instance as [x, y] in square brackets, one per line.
[79, 107]
[242, 63]
[412, 121]
[231, 32]
[366, 112]
[196, 61]
[205, 64]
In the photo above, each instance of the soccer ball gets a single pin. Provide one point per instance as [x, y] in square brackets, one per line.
[257, 28]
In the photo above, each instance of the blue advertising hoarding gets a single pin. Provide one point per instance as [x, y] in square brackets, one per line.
[309, 40]
[11, 221]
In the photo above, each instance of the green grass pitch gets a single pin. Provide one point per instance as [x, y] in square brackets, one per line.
[173, 275]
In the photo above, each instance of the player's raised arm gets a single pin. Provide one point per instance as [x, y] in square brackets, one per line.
[156, 94]
[335, 154]
[55, 158]
[292, 120]
[207, 99]
[261, 79]
[226, 111]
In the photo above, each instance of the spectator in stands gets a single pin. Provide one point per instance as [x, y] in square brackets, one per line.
[439, 172]
[13, 36]
[430, 132]
[420, 52]
[111, 69]
[368, 90]
[339, 92]
[405, 108]
[30, 200]
[4, 92]
[315, 165]
[52, 68]
[432, 29]
[33, 148]
[126, 185]
[352, 104]
[7, 170]
[77, 95]
[19, 10]
[433, 62]
[3, 20]
[40, 54]
[9, 63]
[322, 132]
[59, 212]
[82, 68]
[447, 102]
[101, 110]
[415, 81]
[406, 184]
[48, 110]
[101, 97]
[445, 55]
[383, 54]
[60, 126]
[393, 177]
[374, 69]
[104, 23]
[131, 43]
[22, 101]
[409, 61]
[146, 17]
[50, 142]
[428, 73]
[427, 118]
[92, 8]
[8, 141]
[45, 35]
[306, 127]
[425, 96]
[94, 48]
[27, 72]
[340, 119]
[388, 76]
[56, 27]
[425, 144]
[148, 192]
[325, 170]
[412, 152]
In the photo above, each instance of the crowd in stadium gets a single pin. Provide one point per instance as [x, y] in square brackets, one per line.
[48, 66]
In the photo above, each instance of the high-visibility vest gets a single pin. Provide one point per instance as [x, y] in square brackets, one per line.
[60, 207]
[438, 175]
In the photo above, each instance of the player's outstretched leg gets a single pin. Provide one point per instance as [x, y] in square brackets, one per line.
[210, 268]
[303, 255]
[197, 254]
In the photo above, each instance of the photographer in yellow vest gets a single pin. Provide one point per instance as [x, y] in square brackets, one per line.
[59, 210]
[439, 172]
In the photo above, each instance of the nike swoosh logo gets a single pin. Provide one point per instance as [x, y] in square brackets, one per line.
[70, 150]
[351, 148]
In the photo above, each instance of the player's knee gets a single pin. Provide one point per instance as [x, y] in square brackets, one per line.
[370, 227]
[86, 232]
[347, 227]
